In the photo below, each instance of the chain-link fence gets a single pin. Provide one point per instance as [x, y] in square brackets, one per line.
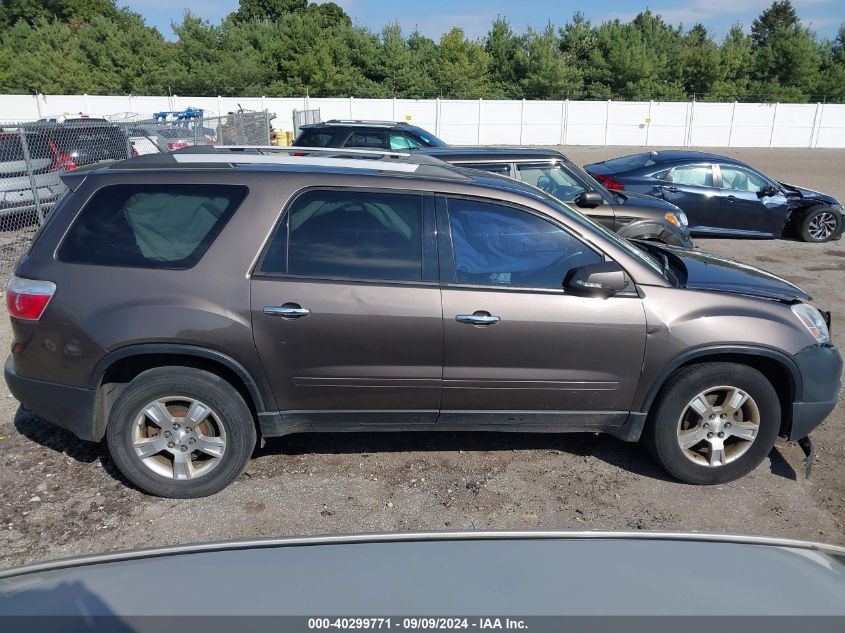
[304, 117]
[34, 154]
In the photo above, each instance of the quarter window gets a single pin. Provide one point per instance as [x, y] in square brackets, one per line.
[352, 235]
[150, 226]
[497, 245]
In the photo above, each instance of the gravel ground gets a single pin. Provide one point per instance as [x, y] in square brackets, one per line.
[64, 497]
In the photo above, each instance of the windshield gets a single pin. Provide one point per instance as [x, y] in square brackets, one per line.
[428, 138]
[552, 179]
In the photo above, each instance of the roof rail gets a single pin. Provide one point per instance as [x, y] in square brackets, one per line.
[365, 122]
[290, 149]
[263, 153]
[376, 163]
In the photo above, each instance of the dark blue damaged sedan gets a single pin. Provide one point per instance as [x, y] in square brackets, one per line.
[722, 196]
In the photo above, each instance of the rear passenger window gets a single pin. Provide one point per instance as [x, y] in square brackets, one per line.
[693, 175]
[150, 226]
[366, 139]
[312, 138]
[353, 235]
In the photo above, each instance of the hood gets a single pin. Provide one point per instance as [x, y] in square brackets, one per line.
[809, 194]
[705, 271]
[633, 199]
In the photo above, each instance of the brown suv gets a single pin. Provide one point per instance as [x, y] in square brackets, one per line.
[183, 305]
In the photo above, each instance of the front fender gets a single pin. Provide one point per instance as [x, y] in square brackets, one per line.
[660, 231]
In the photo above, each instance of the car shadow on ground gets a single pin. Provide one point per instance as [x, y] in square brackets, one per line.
[626, 456]
[50, 436]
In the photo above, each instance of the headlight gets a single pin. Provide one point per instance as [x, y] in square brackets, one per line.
[813, 321]
[678, 218]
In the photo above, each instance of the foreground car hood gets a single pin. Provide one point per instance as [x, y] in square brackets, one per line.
[706, 271]
[619, 574]
[809, 194]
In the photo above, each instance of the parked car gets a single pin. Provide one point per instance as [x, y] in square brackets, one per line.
[724, 196]
[21, 180]
[181, 304]
[493, 580]
[631, 215]
[150, 139]
[386, 135]
[84, 141]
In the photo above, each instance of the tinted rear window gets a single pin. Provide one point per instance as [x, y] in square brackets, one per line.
[150, 226]
[315, 138]
[76, 138]
[12, 150]
[627, 163]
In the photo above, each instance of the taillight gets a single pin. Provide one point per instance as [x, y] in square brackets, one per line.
[177, 145]
[135, 153]
[60, 160]
[609, 182]
[27, 298]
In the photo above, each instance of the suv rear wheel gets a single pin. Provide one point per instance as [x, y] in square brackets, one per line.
[180, 432]
[713, 423]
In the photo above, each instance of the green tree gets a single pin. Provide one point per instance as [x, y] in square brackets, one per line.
[701, 64]
[832, 77]
[34, 11]
[736, 56]
[267, 9]
[787, 65]
[503, 47]
[781, 15]
[406, 63]
[462, 68]
[545, 72]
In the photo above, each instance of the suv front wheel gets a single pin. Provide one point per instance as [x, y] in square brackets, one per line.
[713, 423]
[180, 432]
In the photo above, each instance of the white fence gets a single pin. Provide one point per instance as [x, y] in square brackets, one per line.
[485, 122]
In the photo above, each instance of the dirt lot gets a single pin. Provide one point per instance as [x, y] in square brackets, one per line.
[63, 497]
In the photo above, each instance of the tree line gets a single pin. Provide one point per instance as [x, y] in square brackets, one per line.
[293, 47]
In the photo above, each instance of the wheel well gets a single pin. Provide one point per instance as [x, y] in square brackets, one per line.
[776, 373]
[124, 370]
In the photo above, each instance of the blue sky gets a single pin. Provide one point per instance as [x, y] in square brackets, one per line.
[433, 17]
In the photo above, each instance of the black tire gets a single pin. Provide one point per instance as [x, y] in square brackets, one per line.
[228, 409]
[809, 227]
[661, 433]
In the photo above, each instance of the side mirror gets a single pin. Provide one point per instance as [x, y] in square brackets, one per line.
[603, 278]
[589, 199]
[768, 190]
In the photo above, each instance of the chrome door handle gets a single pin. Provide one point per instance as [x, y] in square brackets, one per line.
[477, 319]
[671, 189]
[288, 311]
[731, 198]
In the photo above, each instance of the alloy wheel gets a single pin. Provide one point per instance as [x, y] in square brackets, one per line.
[178, 437]
[822, 226]
[718, 426]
